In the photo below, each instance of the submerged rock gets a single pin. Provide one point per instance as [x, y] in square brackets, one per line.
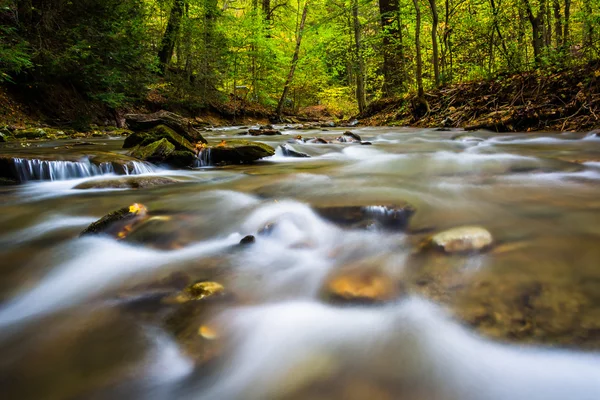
[118, 223]
[129, 182]
[467, 138]
[201, 290]
[289, 152]
[234, 152]
[362, 286]
[183, 127]
[389, 217]
[263, 132]
[462, 239]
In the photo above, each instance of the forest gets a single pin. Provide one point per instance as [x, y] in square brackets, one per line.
[281, 55]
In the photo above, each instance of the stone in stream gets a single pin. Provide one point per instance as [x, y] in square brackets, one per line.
[183, 127]
[316, 140]
[349, 137]
[118, 223]
[462, 239]
[387, 217]
[157, 151]
[289, 152]
[364, 286]
[247, 240]
[233, 152]
[127, 182]
[263, 132]
[157, 133]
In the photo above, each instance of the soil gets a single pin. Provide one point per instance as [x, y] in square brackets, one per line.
[550, 100]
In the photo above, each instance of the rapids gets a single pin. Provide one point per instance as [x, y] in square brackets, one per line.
[94, 317]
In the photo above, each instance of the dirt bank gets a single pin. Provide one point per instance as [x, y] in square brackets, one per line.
[554, 100]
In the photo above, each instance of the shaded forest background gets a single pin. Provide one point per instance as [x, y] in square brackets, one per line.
[77, 60]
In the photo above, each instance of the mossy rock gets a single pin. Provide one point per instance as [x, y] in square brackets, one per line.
[236, 152]
[118, 223]
[155, 151]
[128, 182]
[183, 127]
[157, 133]
[181, 159]
[30, 133]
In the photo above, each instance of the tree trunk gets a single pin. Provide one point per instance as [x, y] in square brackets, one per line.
[588, 33]
[360, 76]
[170, 37]
[566, 30]
[434, 26]
[537, 28]
[507, 54]
[266, 9]
[419, 71]
[557, 24]
[290, 76]
[393, 52]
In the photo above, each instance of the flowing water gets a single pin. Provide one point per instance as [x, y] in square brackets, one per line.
[95, 317]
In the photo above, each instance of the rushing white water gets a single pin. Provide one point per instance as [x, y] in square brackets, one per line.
[95, 264]
[284, 348]
[35, 169]
[43, 228]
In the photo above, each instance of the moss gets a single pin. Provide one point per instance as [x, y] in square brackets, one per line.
[157, 133]
[31, 133]
[118, 222]
[156, 151]
[181, 159]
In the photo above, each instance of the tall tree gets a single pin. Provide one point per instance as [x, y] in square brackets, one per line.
[419, 67]
[290, 76]
[393, 48]
[167, 46]
[360, 65]
[434, 44]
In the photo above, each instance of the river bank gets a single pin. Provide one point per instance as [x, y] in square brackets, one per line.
[541, 100]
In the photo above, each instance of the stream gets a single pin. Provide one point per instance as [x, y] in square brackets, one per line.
[98, 318]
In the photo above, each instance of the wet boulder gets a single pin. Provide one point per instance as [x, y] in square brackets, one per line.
[30, 133]
[118, 223]
[386, 217]
[288, 151]
[462, 239]
[155, 134]
[316, 140]
[183, 127]
[349, 137]
[233, 152]
[263, 132]
[154, 152]
[128, 182]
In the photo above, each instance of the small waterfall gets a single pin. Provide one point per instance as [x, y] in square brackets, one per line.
[203, 159]
[36, 169]
[138, 168]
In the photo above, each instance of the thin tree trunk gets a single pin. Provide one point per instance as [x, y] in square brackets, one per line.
[566, 27]
[167, 46]
[507, 54]
[537, 28]
[434, 43]
[393, 53]
[557, 24]
[266, 9]
[419, 72]
[360, 76]
[290, 77]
